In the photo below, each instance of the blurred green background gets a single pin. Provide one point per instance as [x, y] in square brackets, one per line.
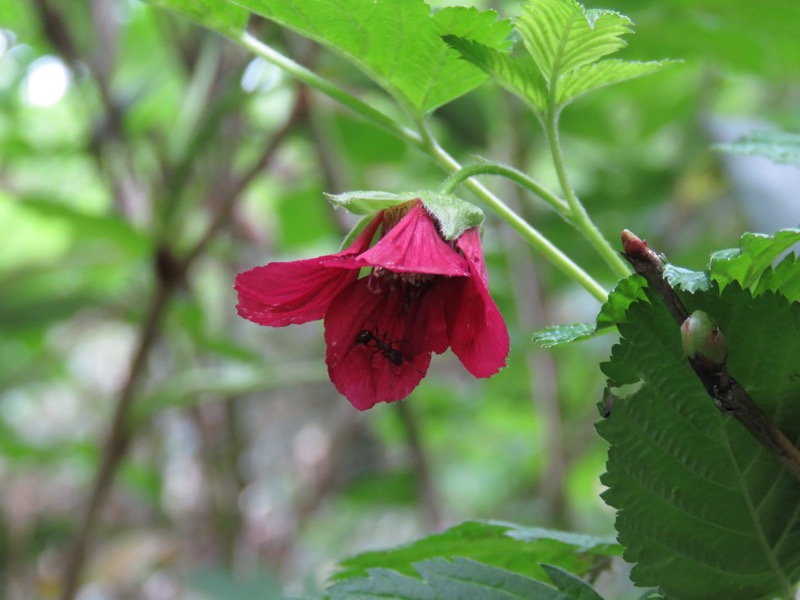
[145, 161]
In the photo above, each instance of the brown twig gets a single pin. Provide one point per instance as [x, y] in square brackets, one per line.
[116, 442]
[729, 397]
[169, 275]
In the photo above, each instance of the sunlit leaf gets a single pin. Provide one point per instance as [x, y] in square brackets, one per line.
[517, 74]
[218, 15]
[398, 43]
[505, 545]
[566, 42]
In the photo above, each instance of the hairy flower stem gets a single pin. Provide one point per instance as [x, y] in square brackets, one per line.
[515, 175]
[428, 144]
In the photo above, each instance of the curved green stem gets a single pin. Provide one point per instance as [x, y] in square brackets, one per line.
[578, 215]
[515, 175]
[525, 229]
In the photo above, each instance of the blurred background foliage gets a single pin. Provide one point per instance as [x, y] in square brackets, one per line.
[144, 162]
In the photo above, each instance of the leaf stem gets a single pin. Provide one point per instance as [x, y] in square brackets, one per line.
[578, 215]
[515, 175]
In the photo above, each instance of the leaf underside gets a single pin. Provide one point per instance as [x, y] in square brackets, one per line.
[462, 578]
[778, 146]
[503, 545]
[703, 510]
[396, 42]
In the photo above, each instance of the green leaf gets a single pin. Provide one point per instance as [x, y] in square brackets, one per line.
[703, 510]
[601, 74]
[752, 260]
[550, 337]
[612, 312]
[778, 146]
[224, 17]
[566, 42]
[686, 279]
[573, 587]
[443, 580]
[396, 42]
[784, 278]
[382, 584]
[503, 545]
[517, 74]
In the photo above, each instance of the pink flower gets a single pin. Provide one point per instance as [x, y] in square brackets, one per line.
[423, 294]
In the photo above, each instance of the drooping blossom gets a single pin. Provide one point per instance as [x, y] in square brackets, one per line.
[387, 306]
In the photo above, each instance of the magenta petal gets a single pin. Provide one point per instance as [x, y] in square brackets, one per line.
[414, 245]
[470, 244]
[427, 325]
[366, 373]
[283, 293]
[477, 331]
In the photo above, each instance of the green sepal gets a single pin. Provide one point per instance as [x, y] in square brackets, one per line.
[453, 214]
[369, 203]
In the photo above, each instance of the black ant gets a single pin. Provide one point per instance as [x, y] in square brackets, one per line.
[370, 339]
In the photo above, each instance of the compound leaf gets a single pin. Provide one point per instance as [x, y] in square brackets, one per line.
[567, 42]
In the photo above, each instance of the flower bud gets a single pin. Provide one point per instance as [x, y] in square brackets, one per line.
[703, 341]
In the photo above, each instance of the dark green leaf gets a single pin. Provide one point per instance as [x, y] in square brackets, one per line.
[504, 545]
[704, 511]
[443, 580]
[574, 587]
